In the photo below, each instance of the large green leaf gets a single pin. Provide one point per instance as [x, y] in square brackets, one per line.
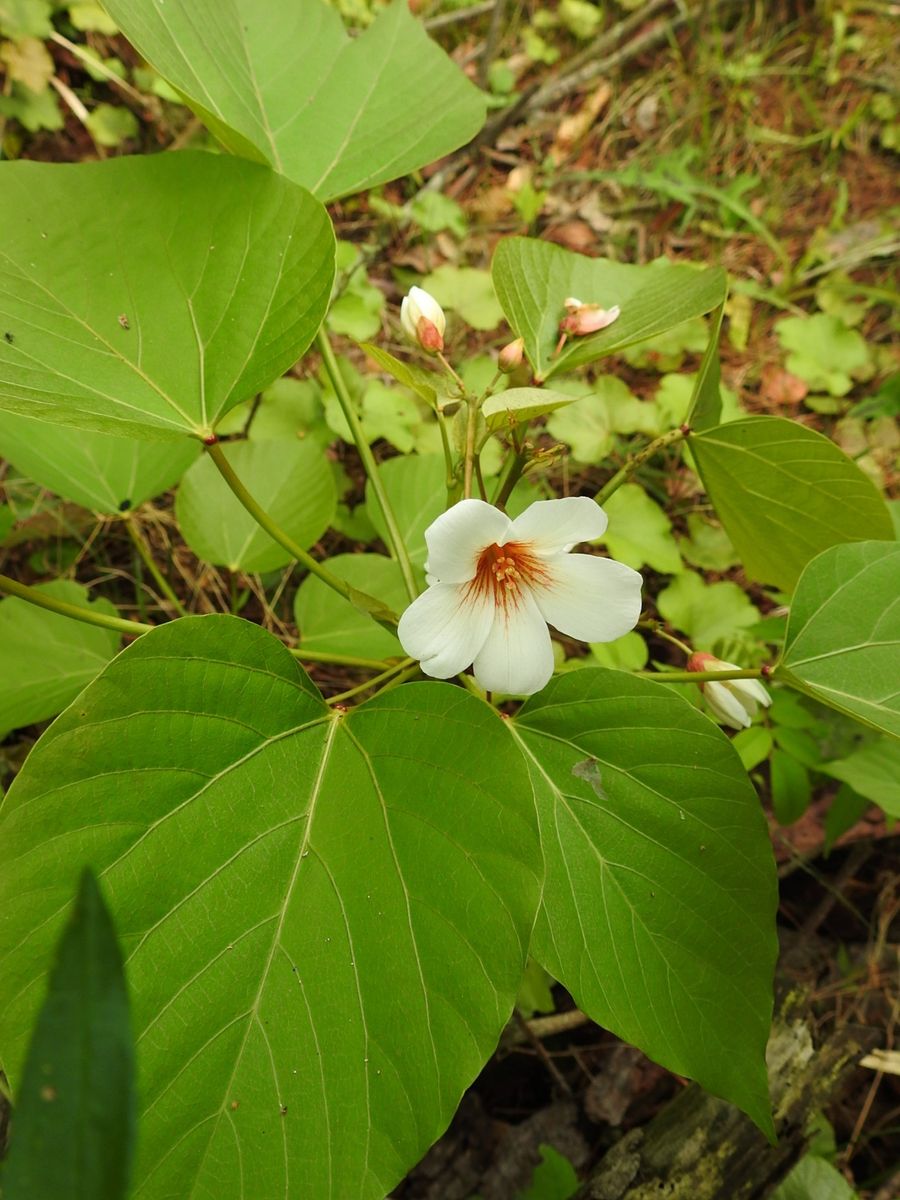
[48, 658]
[784, 493]
[659, 901]
[284, 83]
[328, 622]
[533, 279]
[105, 473]
[324, 915]
[148, 296]
[291, 480]
[73, 1132]
[842, 644]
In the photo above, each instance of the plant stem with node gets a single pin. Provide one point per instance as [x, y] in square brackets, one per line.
[624, 473]
[394, 536]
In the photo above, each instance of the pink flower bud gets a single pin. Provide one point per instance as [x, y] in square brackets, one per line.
[423, 319]
[511, 356]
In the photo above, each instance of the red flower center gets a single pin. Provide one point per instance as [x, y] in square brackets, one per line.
[504, 573]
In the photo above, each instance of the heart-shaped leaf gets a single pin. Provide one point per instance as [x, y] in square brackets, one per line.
[48, 658]
[106, 474]
[75, 1112]
[291, 480]
[784, 493]
[148, 296]
[659, 901]
[533, 279]
[324, 915]
[283, 82]
[842, 644]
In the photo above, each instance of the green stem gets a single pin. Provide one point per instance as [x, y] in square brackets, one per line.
[655, 627]
[146, 557]
[448, 457]
[625, 473]
[453, 374]
[395, 537]
[12, 588]
[469, 461]
[405, 668]
[512, 473]
[703, 676]
[470, 685]
[275, 532]
[479, 478]
[340, 660]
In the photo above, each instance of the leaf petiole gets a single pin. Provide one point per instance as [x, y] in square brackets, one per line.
[120, 624]
[264, 520]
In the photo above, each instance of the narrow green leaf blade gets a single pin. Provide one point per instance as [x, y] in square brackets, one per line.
[325, 915]
[533, 278]
[658, 911]
[842, 644]
[154, 327]
[284, 83]
[106, 474]
[706, 402]
[291, 480]
[784, 493]
[74, 1125]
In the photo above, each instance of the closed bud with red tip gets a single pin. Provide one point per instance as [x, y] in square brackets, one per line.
[423, 320]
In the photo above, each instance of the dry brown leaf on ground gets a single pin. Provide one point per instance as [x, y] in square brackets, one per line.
[576, 126]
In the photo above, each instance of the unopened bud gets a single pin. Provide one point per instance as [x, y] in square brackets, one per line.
[586, 318]
[423, 320]
[732, 702]
[511, 356]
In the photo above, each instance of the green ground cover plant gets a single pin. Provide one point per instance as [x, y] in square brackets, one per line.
[323, 900]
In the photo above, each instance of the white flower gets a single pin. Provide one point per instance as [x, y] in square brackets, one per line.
[732, 701]
[495, 585]
[423, 319]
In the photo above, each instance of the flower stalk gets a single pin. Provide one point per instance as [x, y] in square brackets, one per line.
[395, 537]
[704, 676]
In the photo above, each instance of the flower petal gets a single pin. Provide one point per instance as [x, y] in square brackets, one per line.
[552, 526]
[517, 657]
[589, 598]
[459, 535]
[725, 705]
[445, 628]
[753, 692]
